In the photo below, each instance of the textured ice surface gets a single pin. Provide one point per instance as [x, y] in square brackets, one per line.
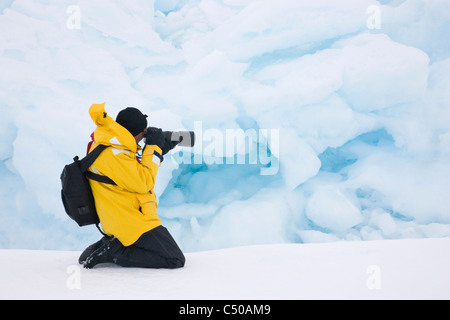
[315, 120]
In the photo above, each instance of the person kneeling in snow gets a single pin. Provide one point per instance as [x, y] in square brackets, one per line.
[127, 210]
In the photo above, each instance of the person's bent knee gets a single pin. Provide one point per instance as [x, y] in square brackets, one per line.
[175, 263]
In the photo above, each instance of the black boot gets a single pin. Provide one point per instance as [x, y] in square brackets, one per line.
[103, 254]
[89, 250]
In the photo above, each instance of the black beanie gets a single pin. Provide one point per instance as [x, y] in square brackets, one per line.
[133, 120]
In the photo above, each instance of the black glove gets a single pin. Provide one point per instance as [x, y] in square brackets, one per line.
[169, 144]
[155, 136]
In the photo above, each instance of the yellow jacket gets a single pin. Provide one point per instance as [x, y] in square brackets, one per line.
[128, 209]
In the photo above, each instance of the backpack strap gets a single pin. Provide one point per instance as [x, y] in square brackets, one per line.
[99, 178]
[87, 161]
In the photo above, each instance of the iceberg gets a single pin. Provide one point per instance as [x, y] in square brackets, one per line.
[317, 121]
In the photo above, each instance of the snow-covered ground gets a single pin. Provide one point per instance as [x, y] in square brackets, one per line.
[385, 269]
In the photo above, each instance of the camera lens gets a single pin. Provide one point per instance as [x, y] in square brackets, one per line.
[185, 138]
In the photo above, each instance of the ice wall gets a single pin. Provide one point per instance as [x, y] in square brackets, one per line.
[316, 120]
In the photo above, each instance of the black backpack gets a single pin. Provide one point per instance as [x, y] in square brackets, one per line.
[76, 192]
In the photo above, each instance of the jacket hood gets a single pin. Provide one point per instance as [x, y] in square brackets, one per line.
[109, 132]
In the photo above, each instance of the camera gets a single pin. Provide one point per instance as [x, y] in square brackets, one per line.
[180, 138]
[184, 138]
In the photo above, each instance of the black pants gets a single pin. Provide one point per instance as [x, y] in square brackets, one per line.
[154, 249]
